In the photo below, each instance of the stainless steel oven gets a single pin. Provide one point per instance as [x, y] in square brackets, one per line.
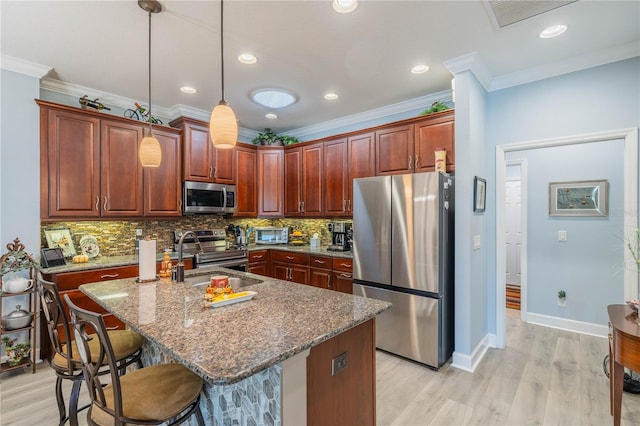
[214, 250]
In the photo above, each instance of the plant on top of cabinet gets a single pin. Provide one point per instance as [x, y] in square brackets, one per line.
[269, 137]
[437, 106]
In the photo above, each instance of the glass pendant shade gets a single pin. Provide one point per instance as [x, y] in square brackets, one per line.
[223, 126]
[150, 153]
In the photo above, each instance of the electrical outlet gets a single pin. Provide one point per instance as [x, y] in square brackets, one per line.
[138, 232]
[562, 236]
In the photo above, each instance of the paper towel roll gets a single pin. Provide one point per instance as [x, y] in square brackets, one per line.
[147, 260]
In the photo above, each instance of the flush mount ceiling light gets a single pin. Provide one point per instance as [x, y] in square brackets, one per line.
[331, 96]
[247, 58]
[150, 153]
[345, 6]
[273, 98]
[420, 69]
[188, 89]
[271, 116]
[223, 127]
[553, 31]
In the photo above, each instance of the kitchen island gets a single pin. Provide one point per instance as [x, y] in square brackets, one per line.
[294, 354]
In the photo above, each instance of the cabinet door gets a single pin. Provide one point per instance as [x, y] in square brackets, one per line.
[394, 150]
[280, 271]
[312, 180]
[361, 160]
[260, 268]
[121, 172]
[336, 173]
[270, 182]
[246, 181]
[343, 281]
[224, 165]
[70, 175]
[432, 134]
[299, 274]
[322, 278]
[292, 180]
[162, 185]
[197, 151]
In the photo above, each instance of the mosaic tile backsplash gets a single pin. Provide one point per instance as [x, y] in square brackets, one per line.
[118, 237]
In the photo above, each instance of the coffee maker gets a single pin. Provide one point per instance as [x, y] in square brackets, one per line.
[341, 236]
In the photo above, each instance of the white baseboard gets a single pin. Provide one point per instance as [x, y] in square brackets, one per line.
[568, 324]
[470, 362]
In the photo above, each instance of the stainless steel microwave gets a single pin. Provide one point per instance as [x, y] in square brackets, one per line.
[208, 198]
[272, 235]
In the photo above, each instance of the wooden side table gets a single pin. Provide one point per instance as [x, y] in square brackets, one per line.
[624, 351]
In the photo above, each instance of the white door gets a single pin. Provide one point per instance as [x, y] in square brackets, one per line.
[513, 234]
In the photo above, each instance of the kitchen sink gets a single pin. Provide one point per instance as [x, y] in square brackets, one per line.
[234, 282]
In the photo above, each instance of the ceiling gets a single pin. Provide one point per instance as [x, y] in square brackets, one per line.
[302, 46]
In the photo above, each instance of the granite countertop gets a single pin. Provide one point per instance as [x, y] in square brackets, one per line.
[227, 344]
[107, 262]
[303, 249]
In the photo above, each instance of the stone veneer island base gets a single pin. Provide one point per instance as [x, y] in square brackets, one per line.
[293, 355]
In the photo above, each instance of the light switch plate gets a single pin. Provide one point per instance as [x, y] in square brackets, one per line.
[476, 242]
[562, 236]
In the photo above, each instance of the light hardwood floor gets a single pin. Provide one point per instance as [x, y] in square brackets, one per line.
[544, 376]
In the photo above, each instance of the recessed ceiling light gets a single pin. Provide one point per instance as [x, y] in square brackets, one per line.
[553, 31]
[331, 96]
[345, 6]
[188, 89]
[271, 116]
[273, 98]
[420, 69]
[247, 58]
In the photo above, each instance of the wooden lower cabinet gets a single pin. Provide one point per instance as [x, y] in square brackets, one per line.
[290, 266]
[343, 274]
[320, 274]
[347, 397]
[259, 263]
[69, 282]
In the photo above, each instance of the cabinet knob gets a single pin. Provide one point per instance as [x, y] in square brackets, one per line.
[290, 257]
[110, 276]
[319, 261]
[257, 256]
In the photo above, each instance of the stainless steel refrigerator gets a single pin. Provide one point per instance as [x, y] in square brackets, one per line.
[403, 253]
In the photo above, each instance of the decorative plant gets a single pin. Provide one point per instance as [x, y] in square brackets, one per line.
[16, 352]
[562, 294]
[633, 244]
[437, 106]
[269, 137]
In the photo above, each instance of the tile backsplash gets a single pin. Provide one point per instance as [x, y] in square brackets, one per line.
[118, 237]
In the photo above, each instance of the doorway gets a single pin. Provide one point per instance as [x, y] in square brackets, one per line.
[513, 235]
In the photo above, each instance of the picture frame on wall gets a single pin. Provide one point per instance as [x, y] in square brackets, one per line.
[479, 194]
[579, 198]
[61, 238]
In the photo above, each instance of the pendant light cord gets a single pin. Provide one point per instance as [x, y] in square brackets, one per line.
[222, 46]
[150, 116]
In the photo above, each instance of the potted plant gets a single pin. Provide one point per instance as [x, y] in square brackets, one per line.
[288, 140]
[269, 137]
[562, 298]
[437, 106]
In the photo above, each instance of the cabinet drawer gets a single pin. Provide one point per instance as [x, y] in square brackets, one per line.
[258, 256]
[290, 257]
[323, 262]
[72, 280]
[342, 264]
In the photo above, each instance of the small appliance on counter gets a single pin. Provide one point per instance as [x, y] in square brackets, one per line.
[272, 235]
[341, 236]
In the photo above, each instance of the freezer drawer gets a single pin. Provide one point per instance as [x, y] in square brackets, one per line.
[410, 328]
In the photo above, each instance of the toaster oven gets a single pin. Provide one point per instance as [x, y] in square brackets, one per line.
[272, 235]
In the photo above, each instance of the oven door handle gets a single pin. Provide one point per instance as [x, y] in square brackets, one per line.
[224, 199]
[224, 264]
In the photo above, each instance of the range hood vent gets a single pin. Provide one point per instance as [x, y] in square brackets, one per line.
[507, 12]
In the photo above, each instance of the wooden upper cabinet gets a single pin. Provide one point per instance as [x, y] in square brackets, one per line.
[163, 185]
[121, 181]
[436, 132]
[270, 182]
[292, 182]
[69, 164]
[336, 175]
[201, 161]
[312, 180]
[246, 180]
[394, 150]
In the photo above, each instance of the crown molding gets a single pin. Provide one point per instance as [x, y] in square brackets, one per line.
[20, 66]
[374, 114]
[470, 62]
[577, 63]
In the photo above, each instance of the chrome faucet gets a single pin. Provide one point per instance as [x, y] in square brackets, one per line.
[180, 265]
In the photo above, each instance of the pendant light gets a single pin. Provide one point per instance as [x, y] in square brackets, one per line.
[150, 153]
[223, 127]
